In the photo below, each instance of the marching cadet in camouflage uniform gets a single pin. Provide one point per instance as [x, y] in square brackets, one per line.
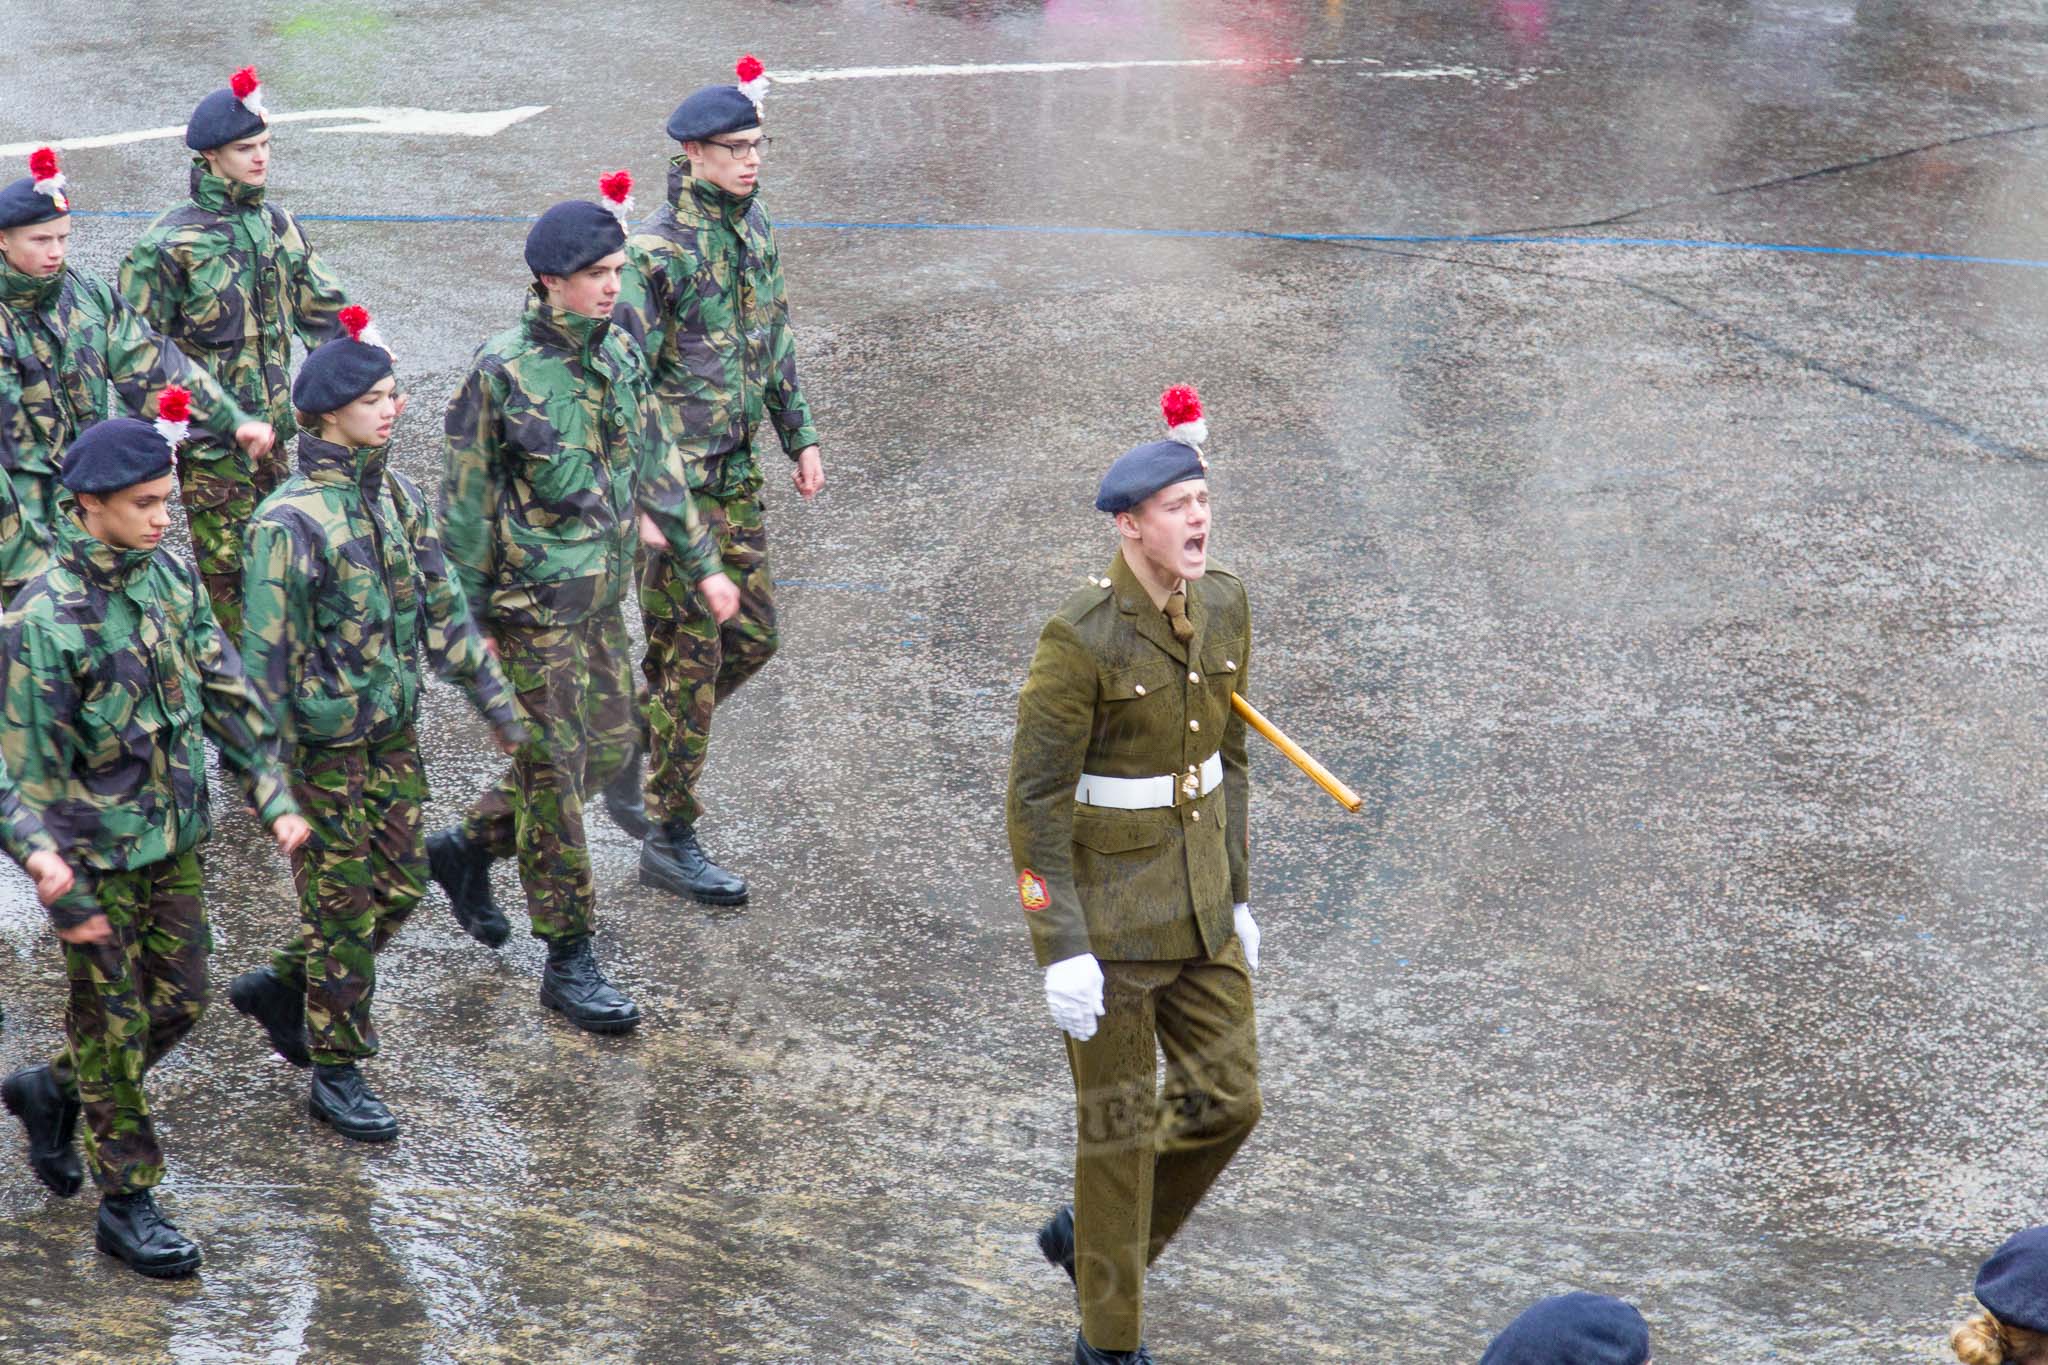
[705, 300]
[230, 278]
[345, 580]
[113, 666]
[545, 439]
[72, 350]
[1127, 817]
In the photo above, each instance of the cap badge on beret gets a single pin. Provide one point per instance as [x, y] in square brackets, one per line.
[753, 79]
[50, 181]
[249, 91]
[174, 418]
[1182, 408]
[615, 192]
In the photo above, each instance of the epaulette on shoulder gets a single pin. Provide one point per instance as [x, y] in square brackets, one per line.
[1092, 593]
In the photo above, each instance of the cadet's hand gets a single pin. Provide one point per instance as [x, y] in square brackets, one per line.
[1073, 992]
[721, 595]
[256, 437]
[650, 534]
[52, 874]
[510, 738]
[94, 930]
[810, 472]
[1247, 934]
[290, 831]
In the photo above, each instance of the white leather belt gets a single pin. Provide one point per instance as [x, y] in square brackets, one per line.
[1147, 793]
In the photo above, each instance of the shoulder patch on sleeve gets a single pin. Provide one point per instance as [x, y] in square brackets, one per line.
[1031, 891]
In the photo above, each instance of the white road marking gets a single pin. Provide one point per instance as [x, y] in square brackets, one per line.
[385, 119]
[1474, 74]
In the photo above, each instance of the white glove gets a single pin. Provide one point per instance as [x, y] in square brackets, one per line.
[1073, 992]
[1247, 934]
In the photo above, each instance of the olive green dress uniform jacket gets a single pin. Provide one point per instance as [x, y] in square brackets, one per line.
[1112, 693]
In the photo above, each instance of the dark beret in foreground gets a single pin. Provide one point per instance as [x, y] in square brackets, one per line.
[112, 455]
[2013, 1284]
[344, 368]
[1573, 1329]
[1143, 471]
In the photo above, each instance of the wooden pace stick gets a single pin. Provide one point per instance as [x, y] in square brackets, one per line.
[1346, 797]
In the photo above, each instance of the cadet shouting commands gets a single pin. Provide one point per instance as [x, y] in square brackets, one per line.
[1128, 819]
[113, 667]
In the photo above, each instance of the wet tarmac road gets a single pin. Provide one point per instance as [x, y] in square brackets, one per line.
[1680, 611]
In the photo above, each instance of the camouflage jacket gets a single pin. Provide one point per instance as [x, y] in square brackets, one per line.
[230, 279]
[21, 834]
[546, 439]
[1112, 693]
[72, 352]
[703, 296]
[24, 544]
[343, 581]
[111, 664]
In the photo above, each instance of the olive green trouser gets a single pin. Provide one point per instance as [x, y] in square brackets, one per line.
[1145, 1157]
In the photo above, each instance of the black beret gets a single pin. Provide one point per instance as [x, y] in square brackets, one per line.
[572, 235]
[338, 373]
[2013, 1284]
[24, 205]
[713, 111]
[221, 118]
[1573, 1329]
[110, 456]
[1140, 472]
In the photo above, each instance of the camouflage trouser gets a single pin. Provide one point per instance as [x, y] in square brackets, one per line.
[693, 663]
[575, 691]
[132, 998]
[220, 492]
[359, 876]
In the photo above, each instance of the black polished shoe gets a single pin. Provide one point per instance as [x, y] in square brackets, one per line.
[572, 984]
[624, 802]
[341, 1098]
[1056, 1239]
[132, 1229]
[463, 871]
[673, 860]
[33, 1096]
[1084, 1354]
[271, 1001]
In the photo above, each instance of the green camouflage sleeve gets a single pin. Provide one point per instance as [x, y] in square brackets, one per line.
[787, 406]
[278, 571]
[469, 487]
[39, 707]
[21, 834]
[666, 498]
[234, 717]
[642, 303]
[140, 362]
[453, 642]
[152, 281]
[1055, 715]
[317, 297]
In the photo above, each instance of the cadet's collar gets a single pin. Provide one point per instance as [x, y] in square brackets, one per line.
[331, 463]
[218, 194]
[1133, 601]
[92, 559]
[560, 328]
[700, 198]
[35, 292]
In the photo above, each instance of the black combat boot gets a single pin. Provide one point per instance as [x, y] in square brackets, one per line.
[273, 1002]
[463, 870]
[572, 983]
[33, 1096]
[133, 1229]
[342, 1099]
[624, 802]
[1084, 1354]
[1056, 1239]
[673, 860]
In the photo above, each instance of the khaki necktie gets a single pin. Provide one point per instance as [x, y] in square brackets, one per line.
[1177, 616]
